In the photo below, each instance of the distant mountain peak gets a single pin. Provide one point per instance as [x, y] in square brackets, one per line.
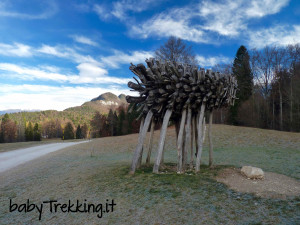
[109, 98]
[122, 97]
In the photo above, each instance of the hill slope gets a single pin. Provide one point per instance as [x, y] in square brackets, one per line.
[78, 114]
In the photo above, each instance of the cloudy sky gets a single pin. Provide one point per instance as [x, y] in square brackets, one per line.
[56, 54]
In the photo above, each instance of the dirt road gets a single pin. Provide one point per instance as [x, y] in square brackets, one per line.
[14, 158]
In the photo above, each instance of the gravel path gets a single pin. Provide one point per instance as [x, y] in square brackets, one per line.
[14, 158]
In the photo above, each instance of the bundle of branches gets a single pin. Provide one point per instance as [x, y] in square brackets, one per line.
[177, 92]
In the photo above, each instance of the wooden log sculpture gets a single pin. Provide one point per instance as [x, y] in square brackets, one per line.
[182, 94]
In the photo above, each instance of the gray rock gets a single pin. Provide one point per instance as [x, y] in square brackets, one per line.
[252, 172]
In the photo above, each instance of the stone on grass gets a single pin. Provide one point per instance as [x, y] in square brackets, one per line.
[252, 172]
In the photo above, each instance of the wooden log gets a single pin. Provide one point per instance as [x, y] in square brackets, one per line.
[210, 139]
[193, 141]
[136, 87]
[180, 141]
[139, 149]
[188, 137]
[177, 126]
[140, 131]
[150, 142]
[132, 99]
[200, 138]
[162, 140]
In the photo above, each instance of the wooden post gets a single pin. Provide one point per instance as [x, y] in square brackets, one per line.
[180, 140]
[150, 142]
[140, 131]
[162, 140]
[188, 136]
[200, 137]
[196, 119]
[192, 142]
[138, 151]
[210, 139]
[177, 125]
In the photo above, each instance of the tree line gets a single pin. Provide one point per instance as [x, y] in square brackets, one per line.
[118, 122]
[269, 88]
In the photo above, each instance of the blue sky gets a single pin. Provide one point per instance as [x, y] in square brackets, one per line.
[57, 54]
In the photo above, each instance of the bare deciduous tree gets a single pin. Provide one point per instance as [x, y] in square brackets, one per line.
[175, 50]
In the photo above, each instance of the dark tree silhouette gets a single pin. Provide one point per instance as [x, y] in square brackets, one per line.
[69, 131]
[242, 71]
[29, 132]
[36, 133]
[175, 50]
[78, 132]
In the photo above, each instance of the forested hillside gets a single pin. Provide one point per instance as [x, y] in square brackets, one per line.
[51, 123]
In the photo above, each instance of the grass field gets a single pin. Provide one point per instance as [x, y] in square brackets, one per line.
[98, 170]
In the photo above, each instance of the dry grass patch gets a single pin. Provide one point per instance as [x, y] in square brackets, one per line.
[98, 170]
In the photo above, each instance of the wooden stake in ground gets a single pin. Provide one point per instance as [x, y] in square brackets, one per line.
[180, 140]
[162, 140]
[138, 151]
[196, 134]
[210, 139]
[188, 136]
[150, 142]
[200, 137]
[192, 142]
[141, 128]
[177, 125]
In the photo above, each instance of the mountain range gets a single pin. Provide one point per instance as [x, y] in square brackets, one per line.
[78, 114]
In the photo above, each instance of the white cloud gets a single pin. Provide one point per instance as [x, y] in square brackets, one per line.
[224, 19]
[119, 57]
[26, 73]
[102, 11]
[260, 8]
[50, 9]
[175, 22]
[212, 61]
[278, 35]
[88, 74]
[84, 40]
[120, 9]
[46, 49]
[66, 52]
[197, 22]
[16, 49]
[167, 25]
[45, 97]
[229, 18]
[90, 70]
[91, 73]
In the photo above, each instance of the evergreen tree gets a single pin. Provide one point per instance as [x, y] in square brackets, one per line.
[97, 123]
[36, 133]
[29, 132]
[132, 115]
[115, 123]
[111, 122]
[69, 131]
[121, 120]
[78, 132]
[84, 130]
[242, 71]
